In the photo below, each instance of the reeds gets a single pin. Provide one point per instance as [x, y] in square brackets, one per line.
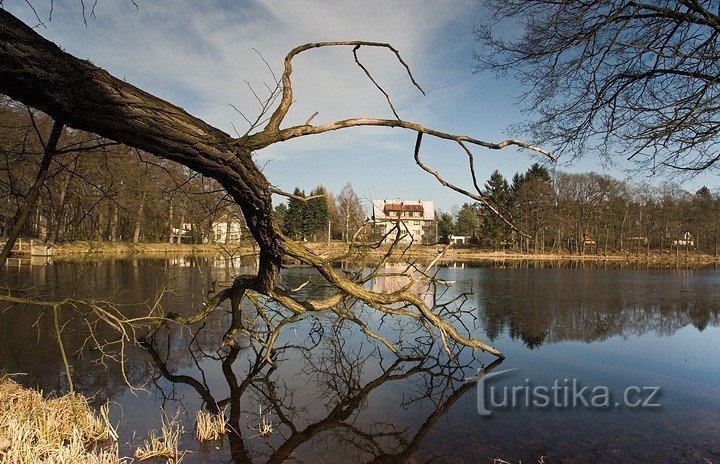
[62, 430]
[265, 427]
[210, 426]
[164, 444]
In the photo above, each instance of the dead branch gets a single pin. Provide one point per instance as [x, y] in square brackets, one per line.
[302, 198]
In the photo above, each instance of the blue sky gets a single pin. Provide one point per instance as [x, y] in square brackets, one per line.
[199, 56]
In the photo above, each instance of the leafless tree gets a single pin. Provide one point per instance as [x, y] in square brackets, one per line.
[639, 78]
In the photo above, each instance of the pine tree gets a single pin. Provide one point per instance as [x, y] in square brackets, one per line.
[467, 220]
[493, 230]
[445, 227]
[293, 224]
[315, 217]
[280, 212]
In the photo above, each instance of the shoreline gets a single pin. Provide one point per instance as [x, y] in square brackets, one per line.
[334, 249]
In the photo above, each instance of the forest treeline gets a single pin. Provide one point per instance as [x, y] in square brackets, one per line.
[588, 213]
[98, 190]
[320, 214]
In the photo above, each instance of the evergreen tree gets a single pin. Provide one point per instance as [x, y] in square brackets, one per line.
[315, 217]
[467, 221]
[532, 204]
[497, 189]
[538, 172]
[493, 230]
[445, 227]
[305, 220]
[294, 218]
[280, 212]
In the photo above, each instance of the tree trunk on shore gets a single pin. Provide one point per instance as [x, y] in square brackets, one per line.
[138, 218]
[112, 225]
[26, 210]
[170, 222]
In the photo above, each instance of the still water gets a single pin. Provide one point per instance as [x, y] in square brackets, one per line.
[333, 395]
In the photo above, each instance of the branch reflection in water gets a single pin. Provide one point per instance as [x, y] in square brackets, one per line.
[315, 393]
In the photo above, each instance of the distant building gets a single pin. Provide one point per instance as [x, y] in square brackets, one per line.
[416, 219]
[182, 234]
[686, 241]
[459, 239]
[227, 230]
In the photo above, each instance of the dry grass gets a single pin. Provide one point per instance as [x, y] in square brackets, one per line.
[164, 444]
[62, 430]
[210, 426]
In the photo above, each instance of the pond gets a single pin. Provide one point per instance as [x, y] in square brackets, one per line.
[628, 360]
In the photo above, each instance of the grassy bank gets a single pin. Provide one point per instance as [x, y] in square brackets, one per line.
[333, 249]
[65, 430]
[120, 248]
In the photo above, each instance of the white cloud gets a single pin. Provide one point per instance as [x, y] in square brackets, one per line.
[202, 52]
[199, 55]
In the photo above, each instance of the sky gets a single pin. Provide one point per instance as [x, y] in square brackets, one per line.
[205, 56]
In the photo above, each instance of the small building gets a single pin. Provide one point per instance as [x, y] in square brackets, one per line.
[459, 239]
[416, 219]
[686, 240]
[182, 234]
[227, 230]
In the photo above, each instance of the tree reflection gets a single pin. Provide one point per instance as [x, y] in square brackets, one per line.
[592, 304]
[325, 393]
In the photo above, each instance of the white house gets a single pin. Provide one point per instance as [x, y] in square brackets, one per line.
[416, 219]
[227, 230]
[182, 234]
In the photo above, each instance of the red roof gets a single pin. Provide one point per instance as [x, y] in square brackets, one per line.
[401, 207]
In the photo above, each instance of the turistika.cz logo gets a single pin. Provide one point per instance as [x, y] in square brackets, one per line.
[561, 394]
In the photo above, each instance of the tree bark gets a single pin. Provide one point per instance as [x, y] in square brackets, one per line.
[60, 216]
[38, 73]
[112, 224]
[24, 213]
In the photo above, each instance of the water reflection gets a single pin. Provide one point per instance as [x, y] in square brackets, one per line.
[334, 395]
[322, 396]
[538, 306]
